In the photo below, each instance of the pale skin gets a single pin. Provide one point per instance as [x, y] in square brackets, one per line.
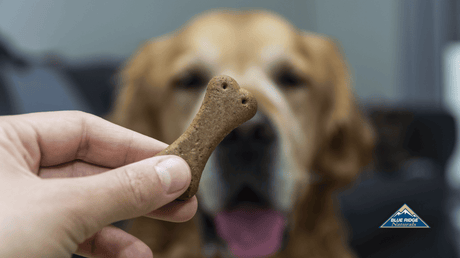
[65, 176]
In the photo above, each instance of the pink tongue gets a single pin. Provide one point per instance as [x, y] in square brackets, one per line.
[251, 232]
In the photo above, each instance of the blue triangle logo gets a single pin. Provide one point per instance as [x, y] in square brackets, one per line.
[404, 218]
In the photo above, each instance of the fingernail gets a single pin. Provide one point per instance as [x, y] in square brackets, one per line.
[174, 174]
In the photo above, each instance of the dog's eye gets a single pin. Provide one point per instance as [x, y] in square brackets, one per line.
[289, 80]
[191, 81]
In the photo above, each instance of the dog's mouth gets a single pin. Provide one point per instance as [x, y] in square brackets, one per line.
[251, 231]
[246, 218]
[249, 226]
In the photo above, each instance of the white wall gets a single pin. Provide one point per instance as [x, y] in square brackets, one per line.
[88, 28]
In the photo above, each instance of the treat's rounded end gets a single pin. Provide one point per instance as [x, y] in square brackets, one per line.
[223, 82]
[240, 104]
[248, 101]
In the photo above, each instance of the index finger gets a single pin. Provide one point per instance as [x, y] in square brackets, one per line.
[62, 136]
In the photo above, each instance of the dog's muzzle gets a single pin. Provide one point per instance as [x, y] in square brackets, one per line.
[248, 223]
[244, 158]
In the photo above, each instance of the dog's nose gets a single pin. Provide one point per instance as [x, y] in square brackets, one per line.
[250, 143]
[255, 133]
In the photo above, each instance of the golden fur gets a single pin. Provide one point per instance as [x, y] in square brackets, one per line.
[320, 121]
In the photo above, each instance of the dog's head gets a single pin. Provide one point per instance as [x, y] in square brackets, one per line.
[307, 133]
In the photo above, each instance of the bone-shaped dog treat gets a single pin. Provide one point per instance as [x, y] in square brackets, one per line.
[225, 107]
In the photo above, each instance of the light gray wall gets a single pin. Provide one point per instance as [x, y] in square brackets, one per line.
[88, 29]
[84, 28]
[367, 30]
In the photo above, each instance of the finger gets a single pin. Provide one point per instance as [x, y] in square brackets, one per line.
[71, 169]
[112, 242]
[129, 191]
[53, 138]
[176, 211]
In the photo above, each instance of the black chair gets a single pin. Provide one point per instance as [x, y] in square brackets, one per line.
[413, 148]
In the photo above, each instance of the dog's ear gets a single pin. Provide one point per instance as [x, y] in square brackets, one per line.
[348, 138]
[139, 96]
[344, 148]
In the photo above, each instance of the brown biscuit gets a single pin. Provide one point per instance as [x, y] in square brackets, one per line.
[225, 107]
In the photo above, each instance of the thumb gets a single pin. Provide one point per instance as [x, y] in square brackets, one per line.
[135, 189]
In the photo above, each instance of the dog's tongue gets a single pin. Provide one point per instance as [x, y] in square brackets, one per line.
[251, 232]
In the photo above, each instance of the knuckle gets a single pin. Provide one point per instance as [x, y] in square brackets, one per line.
[137, 192]
[78, 114]
[82, 116]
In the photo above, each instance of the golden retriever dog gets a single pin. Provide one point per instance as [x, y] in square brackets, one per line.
[268, 190]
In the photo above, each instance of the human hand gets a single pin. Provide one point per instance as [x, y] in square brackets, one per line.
[65, 176]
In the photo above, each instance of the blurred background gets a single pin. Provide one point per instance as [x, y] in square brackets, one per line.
[404, 58]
